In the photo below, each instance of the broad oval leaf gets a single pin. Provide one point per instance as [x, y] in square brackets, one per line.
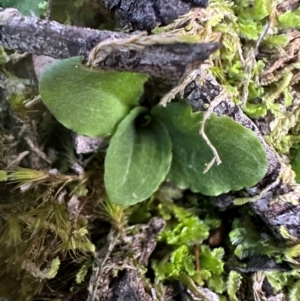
[138, 158]
[87, 101]
[244, 161]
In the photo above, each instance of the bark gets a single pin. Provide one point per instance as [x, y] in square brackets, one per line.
[43, 37]
[148, 14]
[133, 252]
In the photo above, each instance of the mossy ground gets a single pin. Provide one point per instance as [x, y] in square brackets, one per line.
[55, 217]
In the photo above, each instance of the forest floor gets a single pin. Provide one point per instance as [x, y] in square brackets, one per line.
[61, 238]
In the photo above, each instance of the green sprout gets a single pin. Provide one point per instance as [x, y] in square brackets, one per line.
[150, 146]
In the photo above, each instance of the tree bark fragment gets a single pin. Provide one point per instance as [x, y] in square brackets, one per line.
[133, 252]
[43, 37]
[148, 14]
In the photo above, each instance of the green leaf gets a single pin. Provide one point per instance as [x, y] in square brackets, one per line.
[163, 270]
[250, 242]
[138, 158]
[280, 40]
[244, 161]
[233, 284]
[295, 291]
[201, 276]
[296, 165]
[211, 260]
[180, 261]
[83, 271]
[54, 268]
[289, 19]
[87, 101]
[216, 283]
[249, 29]
[277, 280]
[211, 268]
[189, 231]
[3, 176]
[183, 261]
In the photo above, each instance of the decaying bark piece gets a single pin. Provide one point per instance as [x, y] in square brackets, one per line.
[128, 287]
[42, 37]
[148, 14]
[128, 253]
